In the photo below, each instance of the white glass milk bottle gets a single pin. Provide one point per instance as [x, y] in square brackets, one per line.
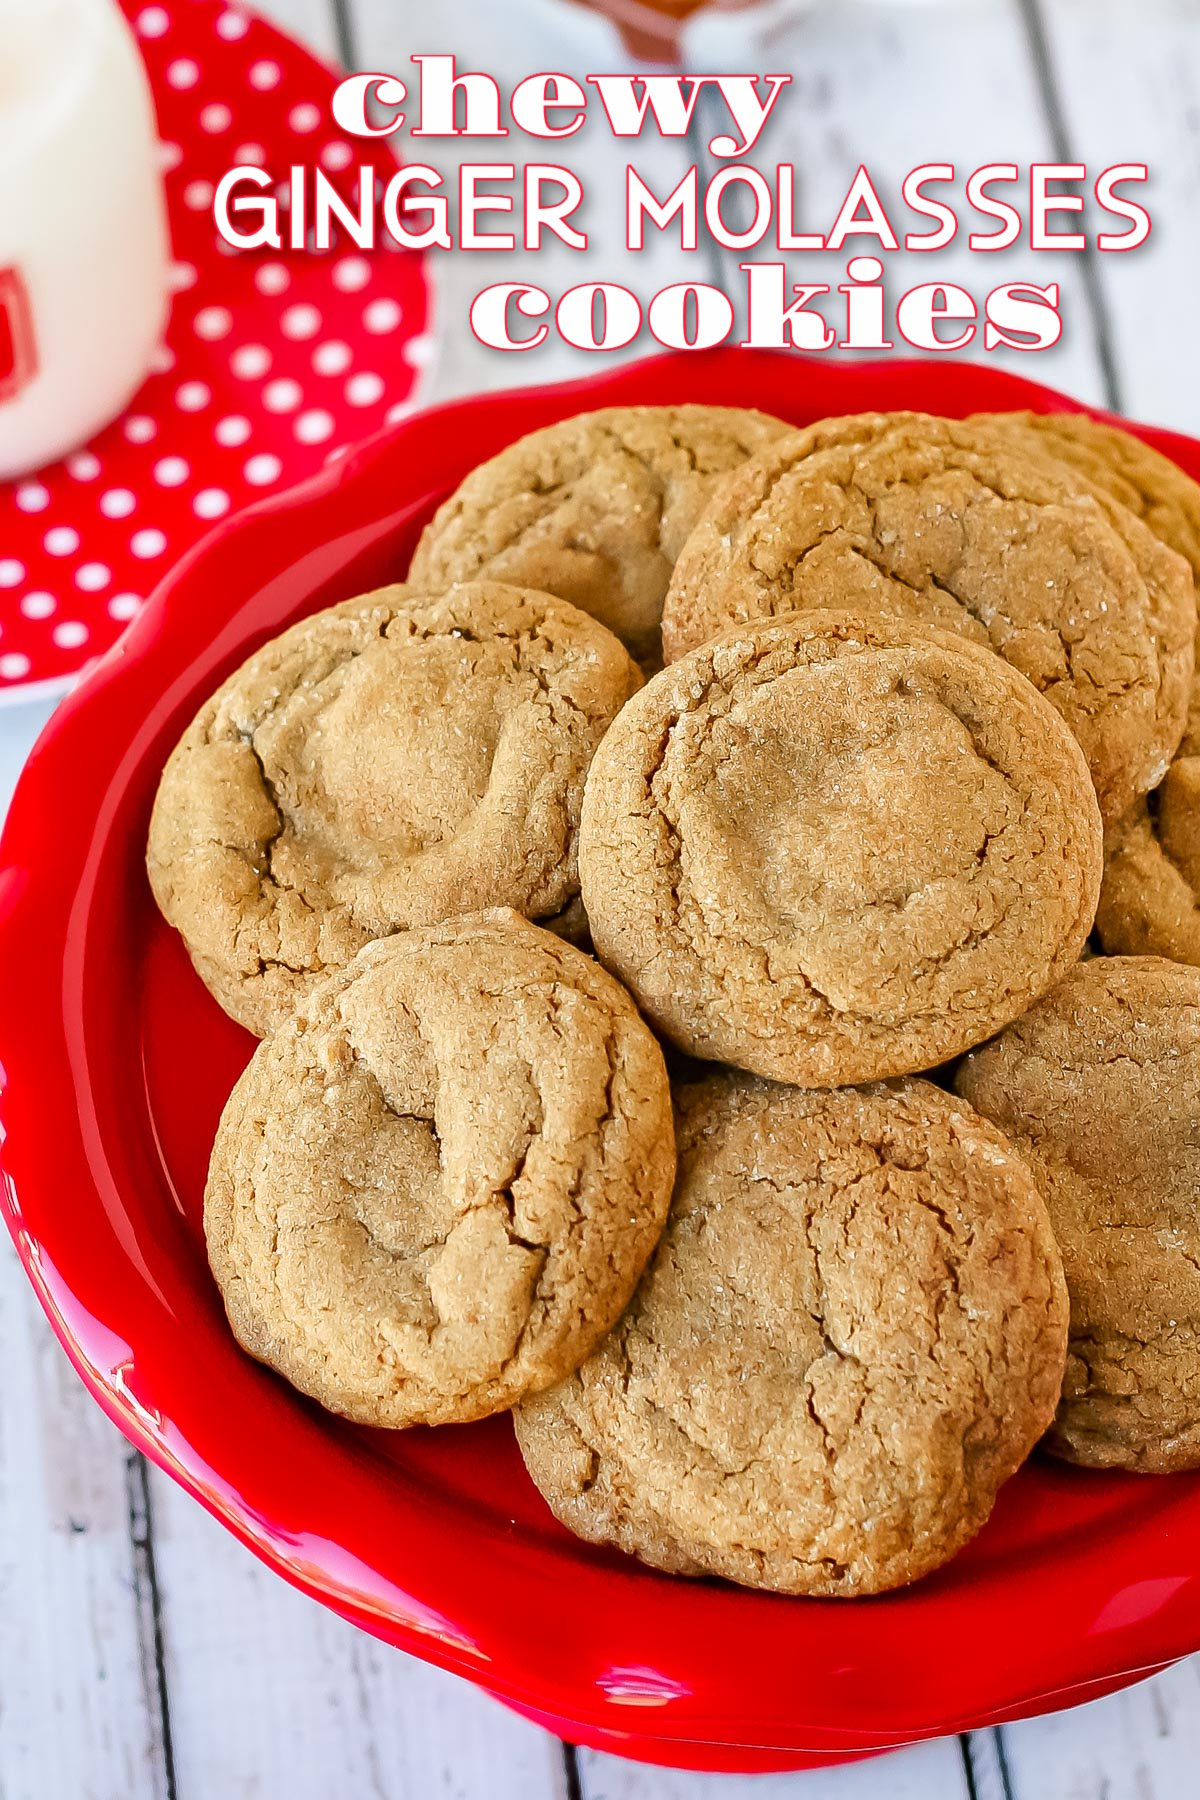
[83, 238]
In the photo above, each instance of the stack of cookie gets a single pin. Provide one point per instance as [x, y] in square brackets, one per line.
[468, 858]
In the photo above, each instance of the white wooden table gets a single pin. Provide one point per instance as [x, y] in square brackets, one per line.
[143, 1654]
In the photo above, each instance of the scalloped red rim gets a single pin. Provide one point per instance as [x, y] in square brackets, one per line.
[115, 1065]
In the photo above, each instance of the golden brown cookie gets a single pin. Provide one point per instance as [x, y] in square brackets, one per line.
[949, 524]
[1127, 468]
[1099, 1088]
[852, 1333]
[390, 762]
[595, 508]
[435, 1188]
[1150, 901]
[1150, 897]
[829, 849]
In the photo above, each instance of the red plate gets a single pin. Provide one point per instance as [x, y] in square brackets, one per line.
[116, 1064]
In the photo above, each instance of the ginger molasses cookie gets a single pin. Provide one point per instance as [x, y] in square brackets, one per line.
[852, 1333]
[948, 524]
[1150, 900]
[595, 508]
[830, 849]
[1124, 466]
[434, 1189]
[393, 761]
[1099, 1088]
[1150, 897]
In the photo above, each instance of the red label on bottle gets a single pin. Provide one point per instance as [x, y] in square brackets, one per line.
[18, 353]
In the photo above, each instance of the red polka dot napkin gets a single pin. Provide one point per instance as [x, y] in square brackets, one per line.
[272, 362]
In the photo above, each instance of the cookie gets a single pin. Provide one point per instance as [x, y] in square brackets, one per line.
[1099, 1088]
[829, 849]
[595, 508]
[1150, 900]
[950, 525]
[1150, 897]
[393, 761]
[435, 1188]
[852, 1333]
[1127, 468]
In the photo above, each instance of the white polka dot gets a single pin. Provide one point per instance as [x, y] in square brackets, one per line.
[382, 315]
[272, 278]
[169, 156]
[140, 429]
[264, 75]
[232, 431]
[337, 155]
[38, 605]
[250, 361]
[262, 469]
[124, 606]
[401, 410]
[231, 26]
[305, 117]
[152, 21]
[419, 352]
[163, 360]
[61, 540]
[181, 276]
[14, 666]
[32, 497]
[364, 389]
[333, 358]
[213, 322]
[215, 117]
[118, 503]
[197, 195]
[171, 471]
[92, 576]
[192, 396]
[70, 634]
[250, 153]
[282, 396]
[300, 322]
[210, 503]
[11, 571]
[351, 274]
[314, 426]
[147, 543]
[84, 466]
[183, 73]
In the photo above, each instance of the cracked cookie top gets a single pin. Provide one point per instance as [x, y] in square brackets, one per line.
[393, 761]
[595, 508]
[851, 1334]
[949, 524]
[435, 1188]
[1099, 1088]
[830, 849]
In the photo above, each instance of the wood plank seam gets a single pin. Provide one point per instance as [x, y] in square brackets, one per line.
[343, 33]
[148, 1605]
[1047, 83]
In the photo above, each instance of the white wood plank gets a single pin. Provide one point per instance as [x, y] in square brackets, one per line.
[313, 22]
[272, 1695]
[488, 37]
[898, 86]
[79, 1709]
[1143, 1744]
[1129, 81]
[927, 1772]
